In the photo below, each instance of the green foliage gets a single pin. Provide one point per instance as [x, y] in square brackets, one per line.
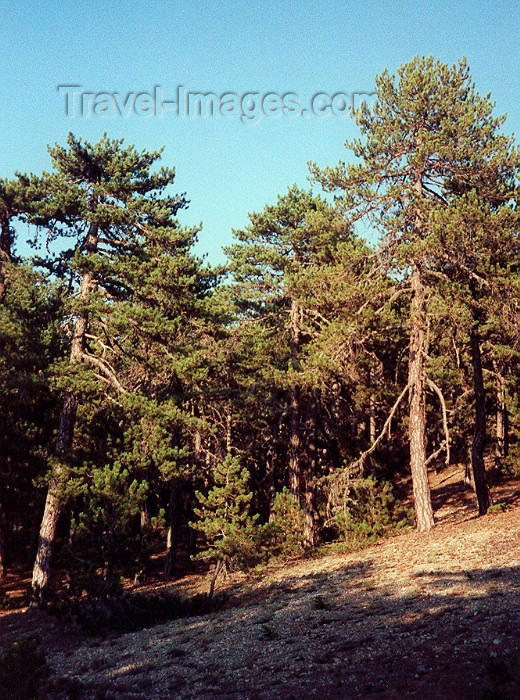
[310, 338]
[366, 509]
[434, 173]
[223, 517]
[284, 534]
[29, 342]
[499, 508]
[106, 531]
[24, 669]
[510, 465]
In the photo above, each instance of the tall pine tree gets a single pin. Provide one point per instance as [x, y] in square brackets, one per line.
[122, 223]
[430, 130]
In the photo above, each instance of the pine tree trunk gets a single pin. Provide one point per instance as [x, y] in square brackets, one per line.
[218, 567]
[229, 430]
[144, 517]
[417, 410]
[479, 437]
[171, 535]
[55, 496]
[294, 456]
[2, 542]
[469, 482]
[5, 252]
[54, 502]
[372, 420]
[310, 473]
[294, 443]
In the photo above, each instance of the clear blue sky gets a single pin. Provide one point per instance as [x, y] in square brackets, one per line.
[226, 167]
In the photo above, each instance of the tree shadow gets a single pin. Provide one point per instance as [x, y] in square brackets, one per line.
[450, 635]
[455, 502]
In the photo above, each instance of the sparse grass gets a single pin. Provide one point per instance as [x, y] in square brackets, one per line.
[499, 508]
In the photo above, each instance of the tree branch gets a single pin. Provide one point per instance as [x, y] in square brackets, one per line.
[108, 372]
[360, 461]
[437, 390]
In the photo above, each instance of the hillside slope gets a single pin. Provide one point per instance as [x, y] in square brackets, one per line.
[416, 616]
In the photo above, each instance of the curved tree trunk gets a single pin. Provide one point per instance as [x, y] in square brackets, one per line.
[54, 502]
[417, 411]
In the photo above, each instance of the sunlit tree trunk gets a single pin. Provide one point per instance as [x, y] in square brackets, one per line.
[310, 472]
[294, 452]
[417, 410]
[372, 428]
[171, 535]
[55, 494]
[501, 444]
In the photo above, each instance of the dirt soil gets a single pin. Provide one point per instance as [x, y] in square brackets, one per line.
[416, 616]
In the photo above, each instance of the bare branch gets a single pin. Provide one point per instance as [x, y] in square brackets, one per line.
[437, 390]
[436, 453]
[106, 370]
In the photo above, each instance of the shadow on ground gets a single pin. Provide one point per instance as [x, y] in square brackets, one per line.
[451, 635]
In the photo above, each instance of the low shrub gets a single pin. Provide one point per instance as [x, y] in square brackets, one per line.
[24, 670]
[284, 534]
[124, 611]
[368, 510]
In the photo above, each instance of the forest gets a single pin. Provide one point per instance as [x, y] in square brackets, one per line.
[158, 410]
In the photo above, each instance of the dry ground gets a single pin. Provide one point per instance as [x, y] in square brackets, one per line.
[415, 616]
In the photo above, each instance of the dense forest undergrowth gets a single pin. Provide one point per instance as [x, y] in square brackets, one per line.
[417, 615]
[453, 503]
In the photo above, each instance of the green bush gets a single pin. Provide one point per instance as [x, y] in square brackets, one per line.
[499, 508]
[232, 537]
[510, 467]
[24, 670]
[105, 532]
[284, 534]
[369, 510]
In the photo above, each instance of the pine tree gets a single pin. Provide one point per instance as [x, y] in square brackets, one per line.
[479, 254]
[430, 130]
[223, 517]
[298, 232]
[124, 232]
[11, 205]
[29, 343]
